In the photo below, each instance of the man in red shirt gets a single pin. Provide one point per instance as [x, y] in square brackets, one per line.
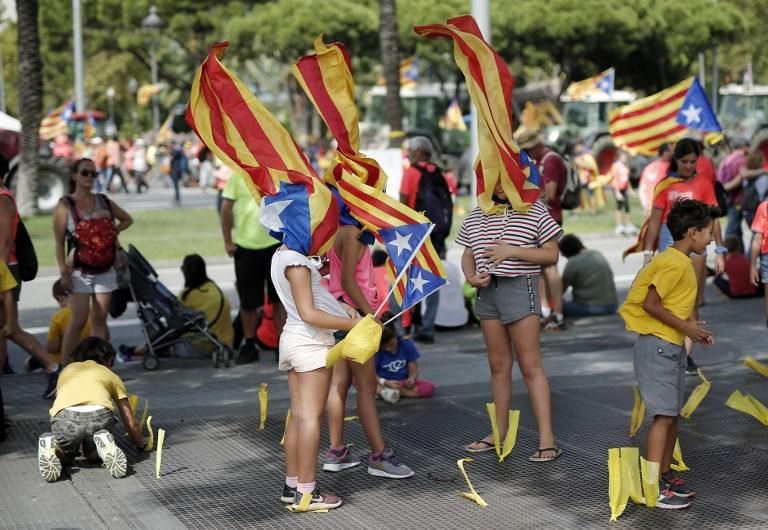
[553, 178]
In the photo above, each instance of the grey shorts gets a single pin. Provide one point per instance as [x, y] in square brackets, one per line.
[764, 268]
[660, 373]
[71, 429]
[509, 299]
[104, 282]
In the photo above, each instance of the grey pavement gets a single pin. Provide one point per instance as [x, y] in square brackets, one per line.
[219, 470]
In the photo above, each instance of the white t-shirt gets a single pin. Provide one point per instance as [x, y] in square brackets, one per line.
[284, 258]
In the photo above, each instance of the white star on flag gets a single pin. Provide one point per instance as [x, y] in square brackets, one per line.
[401, 242]
[270, 214]
[692, 113]
[418, 283]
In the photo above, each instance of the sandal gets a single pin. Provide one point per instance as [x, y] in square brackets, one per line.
[489, 446]
[537, 455]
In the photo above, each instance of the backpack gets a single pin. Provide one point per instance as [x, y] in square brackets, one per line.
[94, 240]
[434, 199]
[750, 199]
[570, 197]
[26, 257]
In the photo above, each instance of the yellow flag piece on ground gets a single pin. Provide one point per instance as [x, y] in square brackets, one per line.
[287, 419]
[638, 412]
[623, 479]
[472, 495]
[677, 456]
[502, 451]
[159, 454]
[150, 436]
[756, 365]
[650, 481]
[748, 405]
[696, 397]
[361, 343]
[263, 402]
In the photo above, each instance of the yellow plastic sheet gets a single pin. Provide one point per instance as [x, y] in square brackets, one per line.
[351, 418]
[638, 413]
[334, 354]
[159, 454]
[150, 436]
[616, 500]
[502, 451]
[696, 397]
[756, 365]
[748, 405]
[263, 401]
[303, 506]
[287, 417]
[623, 479]
[472, 495]
[361, 343]
[677, 456]
[650, 481]
[133, 402]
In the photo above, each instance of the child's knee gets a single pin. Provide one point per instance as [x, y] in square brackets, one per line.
[500, 364]
[425, 389]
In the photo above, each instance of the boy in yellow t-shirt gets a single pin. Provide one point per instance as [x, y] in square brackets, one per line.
[659, 308]
[83, 414]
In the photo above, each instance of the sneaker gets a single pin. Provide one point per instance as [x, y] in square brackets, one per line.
[32, 365]
[47, 460]
[619, 230]
[677, 486]
[288, 495]
[125, 353]
[339, 459]
[554, 323]
[691, 368]
[248, 353]
[320, 501]
[112, 457]
[631, 230]
[669, 501]
[388, 466]
[50, 387]
[390, 395]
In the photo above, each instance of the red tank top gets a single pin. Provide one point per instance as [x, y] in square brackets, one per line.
[14, 229]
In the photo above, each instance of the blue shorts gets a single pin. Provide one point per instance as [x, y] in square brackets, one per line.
[764, 268]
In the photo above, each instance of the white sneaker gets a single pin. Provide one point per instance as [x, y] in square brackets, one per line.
[631, 229]
[112, 457]
[390, 395]
[619, 230]
[47, 460]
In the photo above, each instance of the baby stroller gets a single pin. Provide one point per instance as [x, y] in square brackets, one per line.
[165, 320]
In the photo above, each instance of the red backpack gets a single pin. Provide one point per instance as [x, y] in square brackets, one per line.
[94, 240]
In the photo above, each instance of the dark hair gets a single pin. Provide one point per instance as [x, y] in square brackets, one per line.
[58, 290]
[689, 213]
[733, 244]
[76, 169]
[193, 268]
[664, 148]
[684, 147]
[388, 333]
[95, 349]
[379, 257]
[570, 245]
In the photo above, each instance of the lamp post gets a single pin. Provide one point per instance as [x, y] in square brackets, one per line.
[154, 23]
[77, 37]
[111, 128]
[133, 88]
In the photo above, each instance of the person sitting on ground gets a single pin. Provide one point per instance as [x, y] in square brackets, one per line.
[590, 276]
[57, 325]
[201, 294]
[397, 369]
[83, 415]
[735, 281]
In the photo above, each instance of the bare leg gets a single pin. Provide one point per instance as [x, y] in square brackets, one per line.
[336, 403]
[250, 319]
[365, 381]
[80, 304]
[99, 314]
[658, 437]
[555, 288]
[292, 429]
[306, 414]
[666, 460]
[29, 344]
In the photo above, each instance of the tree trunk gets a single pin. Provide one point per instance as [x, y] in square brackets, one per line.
[390, 59]
[30, 103]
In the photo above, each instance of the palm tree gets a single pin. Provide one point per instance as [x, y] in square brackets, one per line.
[30, 103]
[390, 58]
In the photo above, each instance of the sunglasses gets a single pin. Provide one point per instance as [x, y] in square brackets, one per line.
[88, 173]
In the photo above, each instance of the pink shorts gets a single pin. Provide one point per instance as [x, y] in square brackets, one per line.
[424, 388]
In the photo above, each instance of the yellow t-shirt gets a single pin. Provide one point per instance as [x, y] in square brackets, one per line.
[671, 273]
[7, 281]
[87, 383]
[59, 322]
[209, 299]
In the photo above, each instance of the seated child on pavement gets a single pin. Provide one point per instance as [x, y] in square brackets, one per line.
[735, 280]
[83, 414]
[397, 370]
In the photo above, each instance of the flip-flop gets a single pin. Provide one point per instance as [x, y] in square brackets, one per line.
[537, 455]
[489, 446]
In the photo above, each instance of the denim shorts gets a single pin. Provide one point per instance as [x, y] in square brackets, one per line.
[71, 429]
[764, 268]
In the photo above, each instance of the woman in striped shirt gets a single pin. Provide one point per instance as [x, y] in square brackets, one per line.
[503, 256]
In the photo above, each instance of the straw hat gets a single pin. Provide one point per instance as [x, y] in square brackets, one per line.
[527, 138]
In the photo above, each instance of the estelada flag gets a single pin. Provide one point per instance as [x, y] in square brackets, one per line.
[602, 82]
[245, 136]
[57, 121]
[638, 245]
[490, 84]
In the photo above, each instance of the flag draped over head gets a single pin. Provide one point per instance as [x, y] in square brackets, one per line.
[242, 133]
[642, 126]
[490, 87]
[602, 82]
[57, 121]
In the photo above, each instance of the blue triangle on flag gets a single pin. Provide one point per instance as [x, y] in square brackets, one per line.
[696, 112]
[286, 215]
[534, 177]
[605, 83]
[421, 283]
[402, 241]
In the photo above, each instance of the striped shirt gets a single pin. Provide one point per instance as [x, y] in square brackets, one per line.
[526, 230]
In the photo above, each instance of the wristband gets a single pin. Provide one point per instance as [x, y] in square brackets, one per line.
[721, 250]
[647, 252]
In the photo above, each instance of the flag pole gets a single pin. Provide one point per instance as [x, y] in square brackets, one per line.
[405, 268]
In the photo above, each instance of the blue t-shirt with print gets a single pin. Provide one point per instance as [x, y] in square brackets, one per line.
[395, 365]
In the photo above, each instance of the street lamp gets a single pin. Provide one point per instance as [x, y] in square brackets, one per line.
[133, 88]
[154, 23]
[111, 127]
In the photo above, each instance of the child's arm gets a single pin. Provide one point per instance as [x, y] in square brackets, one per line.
[124, 218]
[545, 255]
[129, 422]
[413, 373]
[691, 328]
[301, 289]
[350, 244]
[468, 267]
[754, 269]
[652, 234]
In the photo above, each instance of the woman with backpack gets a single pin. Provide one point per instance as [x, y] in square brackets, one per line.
[85, 226]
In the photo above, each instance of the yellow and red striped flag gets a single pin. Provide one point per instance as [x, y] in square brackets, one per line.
[490, 84]
[57, 121]
[243, 134]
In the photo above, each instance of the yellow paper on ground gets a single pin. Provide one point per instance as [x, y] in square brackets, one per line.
[511, 437]
[494, 427]
[638, 412]
[616, 500]
[133, 402]
[287, 417]
[748, 405]
[677, 456]
[306, 500]
[150, 436]
[351, 418]
[472, 494]
[756, 365]
[650, 481]
[159, 454]
[696, 397]
[363, 341]
[263, 401]
[630, 474]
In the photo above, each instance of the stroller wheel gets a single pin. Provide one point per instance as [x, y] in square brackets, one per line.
[216, 357]
[150, 362]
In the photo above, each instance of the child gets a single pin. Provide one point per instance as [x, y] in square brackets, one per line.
[312, 315]
[397, 369]
[735, 282]
[659, 308]
[84, 414]
[59, 322]
[759, 269]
